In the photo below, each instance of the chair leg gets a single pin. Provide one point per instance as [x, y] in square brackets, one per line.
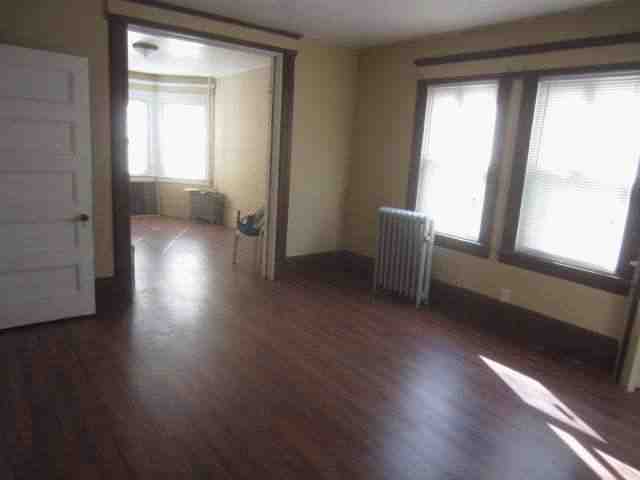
[235, 247]
[260, 250]
[257, 250]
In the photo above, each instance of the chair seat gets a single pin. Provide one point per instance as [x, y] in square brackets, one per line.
[248, 229]
[249, 226]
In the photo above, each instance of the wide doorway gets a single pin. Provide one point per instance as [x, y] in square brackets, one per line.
[200, 125]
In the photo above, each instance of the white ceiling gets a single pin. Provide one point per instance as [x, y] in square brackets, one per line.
[360, 23]
[182, 57]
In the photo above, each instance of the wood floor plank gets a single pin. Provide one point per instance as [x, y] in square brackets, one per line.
[215, 373]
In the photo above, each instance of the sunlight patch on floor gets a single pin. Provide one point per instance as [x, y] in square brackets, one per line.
[587, 457]
[535, 394]
[625, 471]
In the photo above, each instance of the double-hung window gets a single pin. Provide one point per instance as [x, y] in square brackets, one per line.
[456, 157]
[139, 133]
[574, 177]
[183, 124]
[169, 135]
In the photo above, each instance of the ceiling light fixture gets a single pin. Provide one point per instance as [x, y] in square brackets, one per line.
[145, 48]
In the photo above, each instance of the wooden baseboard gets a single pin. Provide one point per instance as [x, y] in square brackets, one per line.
[357, 264]
[536, 330]
[316, 260]
[111, 292]
[533, 329]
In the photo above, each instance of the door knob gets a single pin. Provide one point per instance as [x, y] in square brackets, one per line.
[83, 217]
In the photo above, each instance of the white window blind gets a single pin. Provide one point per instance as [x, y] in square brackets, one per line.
[582, 163]
[184, 146]
[457, 150]
[169, 130]
[139, 135]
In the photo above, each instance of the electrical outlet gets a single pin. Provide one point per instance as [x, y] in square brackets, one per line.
[505, 295]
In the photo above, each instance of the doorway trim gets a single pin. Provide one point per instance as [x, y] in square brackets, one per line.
[123, 276]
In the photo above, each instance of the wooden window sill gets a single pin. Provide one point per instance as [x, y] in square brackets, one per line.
[465, 246]
[600, 280]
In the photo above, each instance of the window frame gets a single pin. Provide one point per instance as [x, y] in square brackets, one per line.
[148, 99]
[181, 98]
[482, 247]
[156, 100]
[618, 282]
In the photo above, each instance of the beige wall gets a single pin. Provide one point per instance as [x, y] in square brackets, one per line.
[242, 140]
[78, 27]
[382, 144]
[173, 201]
[323, 115]
[326, 81]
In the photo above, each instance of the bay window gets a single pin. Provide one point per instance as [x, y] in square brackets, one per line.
[184, 131]
[169, 135]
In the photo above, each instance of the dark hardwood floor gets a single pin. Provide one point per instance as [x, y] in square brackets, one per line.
[215, 373]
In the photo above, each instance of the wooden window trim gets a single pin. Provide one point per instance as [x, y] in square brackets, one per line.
[121, 285]
[160, 4]
[481, 248]
[465, 246]
[534, 49]
[600, 280]
[617, 283]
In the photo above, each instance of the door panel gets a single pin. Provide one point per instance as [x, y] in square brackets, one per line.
[46, 247]
[55, 202]
[34, 83]
[47, 136]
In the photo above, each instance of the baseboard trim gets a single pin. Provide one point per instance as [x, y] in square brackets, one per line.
[535, 329]
[111, 292]
[511, 321]
[323, 259]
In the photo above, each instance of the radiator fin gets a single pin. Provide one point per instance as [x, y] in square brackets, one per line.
[405, 249]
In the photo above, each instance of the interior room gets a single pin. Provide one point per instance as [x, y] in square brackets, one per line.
[322, 239]
[199, 137]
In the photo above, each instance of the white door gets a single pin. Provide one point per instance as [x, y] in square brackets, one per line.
[46, 197]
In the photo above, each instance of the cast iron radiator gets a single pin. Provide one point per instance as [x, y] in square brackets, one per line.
[403, 259]
[206, 205]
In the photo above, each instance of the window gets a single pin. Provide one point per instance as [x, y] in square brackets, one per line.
[183, 141]
[139, 133]
[577, 175]
[456, 161]
[169, 135]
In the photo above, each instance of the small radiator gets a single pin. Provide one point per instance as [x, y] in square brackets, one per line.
[206, 205]
[405, 247]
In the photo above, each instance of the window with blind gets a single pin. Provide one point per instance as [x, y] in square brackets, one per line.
[456, 160]
[580, 171]
[169, 134]
[184, 132]
[139, 135]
